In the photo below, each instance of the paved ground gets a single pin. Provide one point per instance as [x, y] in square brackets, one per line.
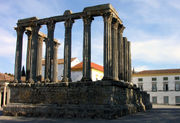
[160, 114]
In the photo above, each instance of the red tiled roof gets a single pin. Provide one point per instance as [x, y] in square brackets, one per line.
[5, 77]
[162, 71]
[93, 65]
[60, 61]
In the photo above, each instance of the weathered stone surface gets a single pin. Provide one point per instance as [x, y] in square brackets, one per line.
[101, 99]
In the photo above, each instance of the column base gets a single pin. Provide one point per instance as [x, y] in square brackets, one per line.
[65, 79]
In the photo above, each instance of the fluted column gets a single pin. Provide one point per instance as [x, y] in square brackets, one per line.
[39, 59]
[125, 59]
[55, 62]
[49, 51]
[18, 57]
[114, 51]
[129, 61]
[120, 50]
[107, 45]
[87, 49]
[67, 51]
[28, 55]
[34, 53]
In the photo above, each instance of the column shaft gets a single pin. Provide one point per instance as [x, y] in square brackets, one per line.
[39, 59]
[129, 61]
[125, 59]
[107, 40]
[34, 52]
[18, 57]
[55, 62]
[67, 51]
[49, 51]
[28, 55]
[114, 66]
[120, 52]
[87, 49]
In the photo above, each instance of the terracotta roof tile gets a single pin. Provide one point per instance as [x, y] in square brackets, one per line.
[161, 71]
[5, 77]
[60, 61]
[93, 65]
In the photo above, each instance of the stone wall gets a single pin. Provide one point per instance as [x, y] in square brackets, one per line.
[100, 99]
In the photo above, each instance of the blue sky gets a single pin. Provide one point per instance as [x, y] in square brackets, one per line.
[151, 25]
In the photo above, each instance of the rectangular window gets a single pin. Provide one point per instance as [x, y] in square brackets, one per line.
[177, 86]
[140, 79]
[177, 99]
[154, 100]
[154, 79]
[154, 86]
[165, 78]
[140, 85]
[176, 77]
[165, 86]
[166, 100]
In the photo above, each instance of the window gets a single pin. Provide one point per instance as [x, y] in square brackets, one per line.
[165, 78]
[140, 79]
[177, 99]
[154, 79]
[154, 100]
[176, 78]
[177, 86]
[166, 100]
[140, 85]
[154, 86]
[165, 86]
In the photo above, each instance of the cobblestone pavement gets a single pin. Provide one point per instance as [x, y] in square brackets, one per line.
[159, 113]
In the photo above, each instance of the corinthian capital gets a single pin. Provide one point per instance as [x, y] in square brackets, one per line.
[68, 23]
[87, 20]
[51, 25]
[108, 17]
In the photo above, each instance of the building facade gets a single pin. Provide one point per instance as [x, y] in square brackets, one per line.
[97, 71]
[162, 85]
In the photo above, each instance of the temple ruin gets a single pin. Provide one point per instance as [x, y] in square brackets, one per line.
[110, 98]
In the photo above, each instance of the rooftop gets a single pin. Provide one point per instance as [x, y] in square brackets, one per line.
[157, 72]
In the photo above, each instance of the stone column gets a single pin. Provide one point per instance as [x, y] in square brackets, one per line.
[114, 67]
[49, 51]
[39, 59]
[4, 100]
[125, 59]
[0, 98]
[67, 48]
[87, 49]
[120, 51]
[129, 61]
[55, 62]
[18, 58]
[107, 45]
[34, 52]
[28, 55]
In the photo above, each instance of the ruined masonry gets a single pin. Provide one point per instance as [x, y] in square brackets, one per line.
[110, 98]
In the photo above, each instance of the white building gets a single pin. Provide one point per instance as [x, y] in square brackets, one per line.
[162, 85]
[97, 71]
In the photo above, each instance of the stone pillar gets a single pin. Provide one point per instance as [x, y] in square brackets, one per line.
[0, 98]
[87, 49]
[49, 51]
[28, 55]
[125, 59]
[34, 52]
[114, 49]
[129, 61]
[55, 62]
[39, 59]
[67, 48]
[120, 51]
[18, 57]
[107, 45]
[4, 100]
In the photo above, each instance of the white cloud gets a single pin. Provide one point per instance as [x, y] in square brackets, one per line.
[141, 68]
